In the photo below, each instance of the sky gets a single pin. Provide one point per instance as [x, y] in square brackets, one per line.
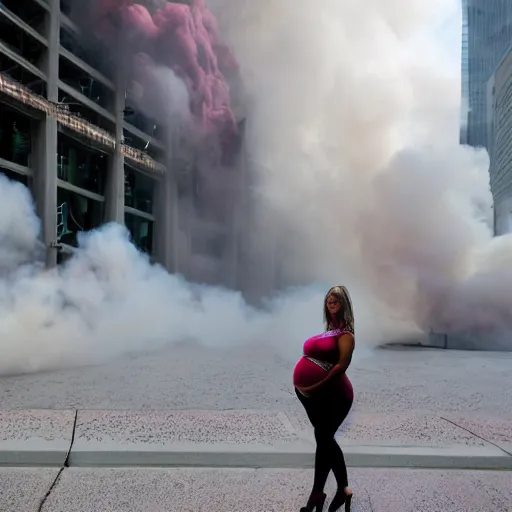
[447, 31]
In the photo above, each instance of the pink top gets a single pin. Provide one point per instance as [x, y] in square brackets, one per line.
[324, 348]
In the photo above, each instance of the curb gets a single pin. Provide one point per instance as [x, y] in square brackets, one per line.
[32, 458]
[362, 457]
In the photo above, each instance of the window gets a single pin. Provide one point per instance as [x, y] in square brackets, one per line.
[93, 53]
[80, 110]
[22, 43]
[65, 7]
[85, 84]
[81, 166]
[14, 70]
[14, 136]
[138, 191]
[76, 213]
[30, 12]
[140, 120]
[143, 145]
[141, 231]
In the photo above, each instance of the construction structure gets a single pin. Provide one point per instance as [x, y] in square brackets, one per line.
[70, 134]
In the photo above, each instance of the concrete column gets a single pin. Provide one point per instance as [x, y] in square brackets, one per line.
[51, 60]
[44, 141]
[44, 147]
[185, 219]
[232, 230]
[166, 221]
[114, 187]
[239, 219]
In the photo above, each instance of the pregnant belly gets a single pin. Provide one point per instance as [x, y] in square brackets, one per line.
[307, 373]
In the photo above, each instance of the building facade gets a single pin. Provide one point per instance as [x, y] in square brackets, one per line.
[69, 132]
[486, 35]
[500, 143]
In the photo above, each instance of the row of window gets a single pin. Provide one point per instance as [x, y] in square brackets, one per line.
[76, 164]
[85, 169]
[24, 57]
[77, 213]
[487, 31]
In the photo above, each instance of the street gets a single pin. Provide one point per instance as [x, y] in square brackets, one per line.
[187, 428]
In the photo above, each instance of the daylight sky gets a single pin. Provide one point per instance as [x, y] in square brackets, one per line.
[447, 32]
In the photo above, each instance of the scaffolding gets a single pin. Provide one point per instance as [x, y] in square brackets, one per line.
[78, 125]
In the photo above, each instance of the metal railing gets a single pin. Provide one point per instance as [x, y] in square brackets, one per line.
[63, 116]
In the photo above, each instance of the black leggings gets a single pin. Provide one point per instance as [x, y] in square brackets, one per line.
[326, 409]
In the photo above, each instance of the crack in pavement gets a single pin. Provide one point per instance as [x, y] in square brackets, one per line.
[476, 435]
[61, 470]
[66, 461]
[47, 495]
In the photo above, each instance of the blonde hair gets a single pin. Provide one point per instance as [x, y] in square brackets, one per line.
[346, 314]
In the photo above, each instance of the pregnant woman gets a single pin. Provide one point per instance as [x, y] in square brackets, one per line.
[326, 393]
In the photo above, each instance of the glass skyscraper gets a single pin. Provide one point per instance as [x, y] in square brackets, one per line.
[486, 36]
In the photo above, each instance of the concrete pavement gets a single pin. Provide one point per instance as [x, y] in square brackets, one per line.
[247, 438]
[256, 377]
[248, 490]
[428, 408]
[193, 406]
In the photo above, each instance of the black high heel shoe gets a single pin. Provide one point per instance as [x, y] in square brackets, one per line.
[315, 502]
[342, 497]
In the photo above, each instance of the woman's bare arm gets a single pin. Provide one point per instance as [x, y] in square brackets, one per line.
[346, 345]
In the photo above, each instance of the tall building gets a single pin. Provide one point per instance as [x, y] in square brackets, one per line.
[70, 132]
[486, 35]
[500, 143]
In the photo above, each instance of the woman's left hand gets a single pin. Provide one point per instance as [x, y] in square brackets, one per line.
[318, 385]
[333, 372]
[307, 391]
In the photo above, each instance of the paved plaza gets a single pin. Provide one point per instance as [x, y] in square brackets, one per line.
[248, 490]
[255, 377]
[191, 428]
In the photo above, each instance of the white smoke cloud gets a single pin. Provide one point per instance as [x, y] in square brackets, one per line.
[356, 119]
[354, 129]
[109, 300]
[166, 99]
[18, 241]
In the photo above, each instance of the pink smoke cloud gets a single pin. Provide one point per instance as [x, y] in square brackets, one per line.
[184, 38]
[138, 16]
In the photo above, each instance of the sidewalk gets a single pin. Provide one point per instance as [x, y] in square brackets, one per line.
[246, 490]
[247, 461]
[248, 439]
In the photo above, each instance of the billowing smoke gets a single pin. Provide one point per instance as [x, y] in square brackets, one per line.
[355, 126]
[183, 38]
[352, 133]
[19, 241]
[109, 300]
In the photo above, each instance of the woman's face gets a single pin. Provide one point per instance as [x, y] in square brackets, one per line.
[333, 305]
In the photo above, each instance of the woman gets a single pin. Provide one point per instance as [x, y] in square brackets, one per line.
[326, 393]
